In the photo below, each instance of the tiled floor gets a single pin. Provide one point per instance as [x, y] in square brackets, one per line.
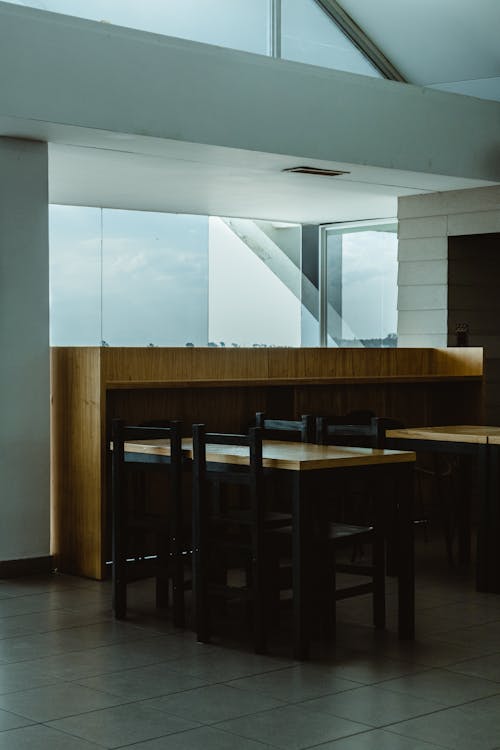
[73, 679]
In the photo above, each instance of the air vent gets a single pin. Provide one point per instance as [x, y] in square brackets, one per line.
[316, 171]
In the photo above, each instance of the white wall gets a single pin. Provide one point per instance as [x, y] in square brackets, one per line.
[83, 74]
[24, 350]
[425, 223]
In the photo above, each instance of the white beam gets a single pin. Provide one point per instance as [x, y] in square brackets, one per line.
[57, 69]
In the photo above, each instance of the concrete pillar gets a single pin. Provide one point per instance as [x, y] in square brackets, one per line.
[24, 356]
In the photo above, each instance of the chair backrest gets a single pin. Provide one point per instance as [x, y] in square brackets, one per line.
[249, 474]
[352, 430]
[253, 441]
[345, 431]
[300, 430]
[122, 433]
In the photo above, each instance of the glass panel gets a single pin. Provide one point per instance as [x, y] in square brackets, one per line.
[155, 279]
[309, 35]
[150, 283]
[361, 279]
[75, 276]
[252, 302]
[240, 24]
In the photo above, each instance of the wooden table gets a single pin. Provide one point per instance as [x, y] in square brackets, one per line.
[476, 441]
[302, 466]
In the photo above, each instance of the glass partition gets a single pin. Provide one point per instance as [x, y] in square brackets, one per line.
[154, 279]
[137, 278]
[75, 276]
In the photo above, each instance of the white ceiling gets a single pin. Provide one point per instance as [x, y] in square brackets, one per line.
[179, 177]
[449, 44]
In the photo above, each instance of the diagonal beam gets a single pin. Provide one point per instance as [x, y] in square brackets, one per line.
[363, 42]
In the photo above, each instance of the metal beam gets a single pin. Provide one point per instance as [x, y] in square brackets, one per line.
[361, 40]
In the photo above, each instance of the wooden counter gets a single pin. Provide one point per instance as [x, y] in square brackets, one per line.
[224, 388]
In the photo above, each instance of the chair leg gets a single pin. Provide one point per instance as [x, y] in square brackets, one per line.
[119, 592]
[178, 591]
[379, 615]
[259, 591]
[163, 572]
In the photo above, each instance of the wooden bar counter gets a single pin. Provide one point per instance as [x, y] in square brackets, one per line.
[224, 387]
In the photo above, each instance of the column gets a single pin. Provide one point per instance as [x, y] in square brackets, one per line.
[24, 356]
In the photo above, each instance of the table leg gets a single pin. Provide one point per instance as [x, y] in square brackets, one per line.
[464, 509]
[488, 553]
[300, 566]
[490, 522]
[406, 553]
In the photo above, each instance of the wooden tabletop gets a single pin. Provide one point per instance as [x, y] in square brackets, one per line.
[494, 437]
[282, 455]
[480, 434]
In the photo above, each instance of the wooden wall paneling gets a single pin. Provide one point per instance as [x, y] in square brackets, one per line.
[223, 388]
[224, 408]
[78, 421]
[155, 364]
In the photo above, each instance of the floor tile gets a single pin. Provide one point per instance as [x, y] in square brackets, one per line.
[143, 682]
[371, 668]
[204, 738]
[123, 725]
[443, 686]
[486, 666]
[296, 683]
[214, 703]
[40, 737]
[10, 720]
[463, 728]
[292, 727]
[221, 665]
[27, 647]
[116, 656]
[373, 705]
[55, 701]
[378, 739]
[24, 675]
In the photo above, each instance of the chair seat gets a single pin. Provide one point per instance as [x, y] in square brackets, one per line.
[339, 532]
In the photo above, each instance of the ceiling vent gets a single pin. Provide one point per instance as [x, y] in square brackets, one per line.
[316, 171]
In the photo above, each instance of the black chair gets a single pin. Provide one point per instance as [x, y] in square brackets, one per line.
[358, 429]
[332, 536]
[148, 541]
[286, 429]
[435, 481]
[232, 532]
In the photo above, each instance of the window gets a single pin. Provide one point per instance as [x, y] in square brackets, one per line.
[309, 35]
[306, 33]
[359, 275]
